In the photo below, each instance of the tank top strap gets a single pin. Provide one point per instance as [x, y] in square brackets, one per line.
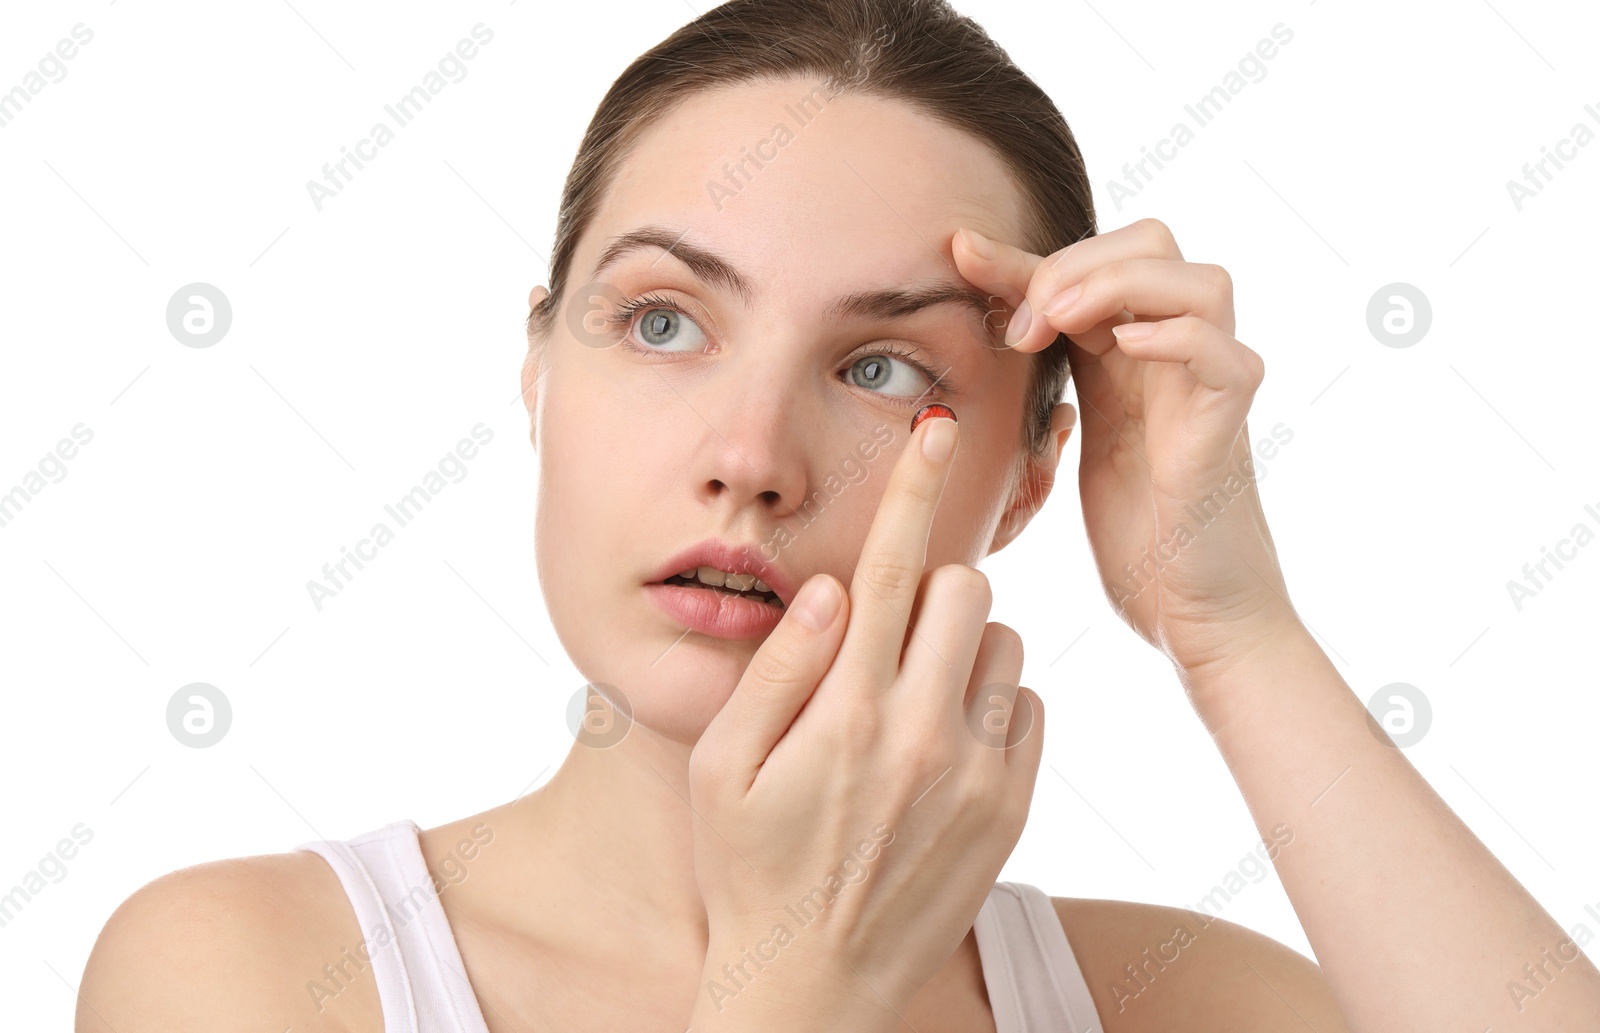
[422, 981]
[1034, 981]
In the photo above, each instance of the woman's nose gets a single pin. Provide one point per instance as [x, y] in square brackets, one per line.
[751, 448]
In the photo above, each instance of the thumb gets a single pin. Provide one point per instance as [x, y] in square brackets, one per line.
[994, 265]
[777, 683]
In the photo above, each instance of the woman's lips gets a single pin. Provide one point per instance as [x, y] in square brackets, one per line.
[735, 558]
[715, 613]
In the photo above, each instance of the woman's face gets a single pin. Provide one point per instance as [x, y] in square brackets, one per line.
[764, 412]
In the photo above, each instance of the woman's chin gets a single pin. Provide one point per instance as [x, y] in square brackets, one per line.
[676, 701]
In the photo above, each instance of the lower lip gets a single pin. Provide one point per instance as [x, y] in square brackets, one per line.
[715, 613]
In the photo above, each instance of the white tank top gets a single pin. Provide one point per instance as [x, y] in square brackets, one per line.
[1033, 979]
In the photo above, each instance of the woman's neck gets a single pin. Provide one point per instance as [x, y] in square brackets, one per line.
[602, 854]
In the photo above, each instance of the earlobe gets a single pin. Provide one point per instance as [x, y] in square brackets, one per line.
[530, 366]
[1038, 478]
[1062, 419]
[530, 394]
[1026, 498]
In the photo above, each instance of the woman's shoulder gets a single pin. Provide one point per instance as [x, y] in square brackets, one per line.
[213, 944]
[1153, 967]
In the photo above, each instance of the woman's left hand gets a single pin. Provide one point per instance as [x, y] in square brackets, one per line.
[1166, 474]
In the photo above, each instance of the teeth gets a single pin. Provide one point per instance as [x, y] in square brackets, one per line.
[737, 582]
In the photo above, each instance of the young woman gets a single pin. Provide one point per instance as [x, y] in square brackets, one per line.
[791, 226]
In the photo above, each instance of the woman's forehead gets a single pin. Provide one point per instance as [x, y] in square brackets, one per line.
[779, 173]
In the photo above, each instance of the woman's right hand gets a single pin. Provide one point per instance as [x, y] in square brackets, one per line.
[863, 786]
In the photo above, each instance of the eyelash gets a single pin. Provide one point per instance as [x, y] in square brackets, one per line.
[621, 322]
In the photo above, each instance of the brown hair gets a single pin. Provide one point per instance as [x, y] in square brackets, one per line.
[918, 51]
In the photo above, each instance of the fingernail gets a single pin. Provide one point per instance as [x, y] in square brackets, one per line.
[817, 603]
[982, 246]
[939, 440]
[1019, 323]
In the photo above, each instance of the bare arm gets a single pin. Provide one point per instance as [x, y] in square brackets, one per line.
[224, 945]
[1154, 969]
[1416, 925]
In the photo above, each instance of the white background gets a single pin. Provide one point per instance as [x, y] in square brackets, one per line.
[369, 337]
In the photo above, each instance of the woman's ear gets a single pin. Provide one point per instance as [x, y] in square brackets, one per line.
[531, 363]
[1038, 477]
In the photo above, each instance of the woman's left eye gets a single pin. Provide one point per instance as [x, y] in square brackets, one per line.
[876, 372]
[662, 327]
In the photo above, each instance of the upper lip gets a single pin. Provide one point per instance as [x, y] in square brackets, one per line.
[731, 557]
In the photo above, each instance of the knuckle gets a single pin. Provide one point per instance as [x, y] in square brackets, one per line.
[918, 488]
[779, 662]
[1059, 259]
[857, 730]
[1221, 280]
[1255, 366]
[1104, 282]
[1103, 277]
[886, 576]
[1157, 232]
[982, 796]
[1006, 641]
[1101, 280]
[963, 581]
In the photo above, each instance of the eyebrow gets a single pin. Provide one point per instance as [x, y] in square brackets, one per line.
[885, 303]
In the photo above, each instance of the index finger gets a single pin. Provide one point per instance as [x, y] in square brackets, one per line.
[884, 586]
[1028, 282]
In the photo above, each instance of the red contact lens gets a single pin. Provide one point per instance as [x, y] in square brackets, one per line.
[932, 409]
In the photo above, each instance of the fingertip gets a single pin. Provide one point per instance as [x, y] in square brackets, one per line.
[1018, 325]
[833, 583]
[1041, 334]
[977, 243]
[819, 602]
